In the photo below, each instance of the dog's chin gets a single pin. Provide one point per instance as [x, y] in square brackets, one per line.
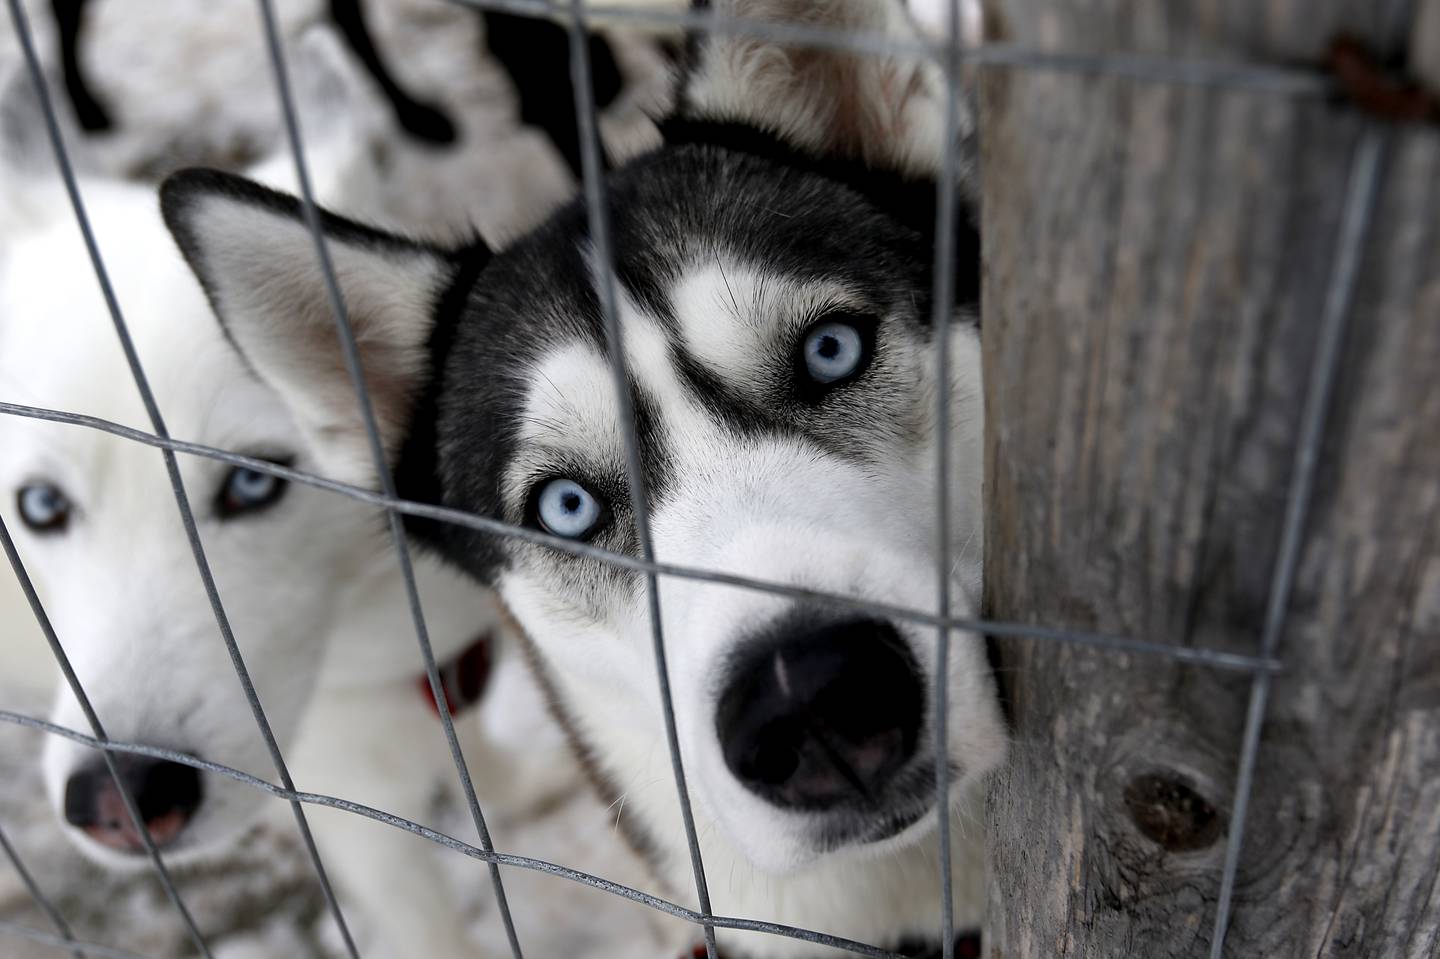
[800, 841]
[878, 832]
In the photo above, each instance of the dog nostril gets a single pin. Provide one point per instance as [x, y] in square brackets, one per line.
[166, 794]
[820, 713]
[82, 794]
[166, 790]
[164, 786]
[771, 761]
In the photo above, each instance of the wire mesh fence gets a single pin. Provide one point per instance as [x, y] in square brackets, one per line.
[579, 17]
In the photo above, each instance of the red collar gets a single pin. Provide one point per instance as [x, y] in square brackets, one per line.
[463, 678]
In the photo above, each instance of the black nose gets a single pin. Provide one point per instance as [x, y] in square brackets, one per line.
[819, 715]
[166, 793]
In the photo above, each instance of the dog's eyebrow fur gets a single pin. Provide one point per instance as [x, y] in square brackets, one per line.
[672, 210]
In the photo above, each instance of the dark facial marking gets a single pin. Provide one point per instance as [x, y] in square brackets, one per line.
[715, 191]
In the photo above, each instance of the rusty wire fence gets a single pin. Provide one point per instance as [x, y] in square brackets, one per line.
[951, 55]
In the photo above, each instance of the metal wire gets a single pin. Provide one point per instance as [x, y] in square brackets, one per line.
[1360, 194]
[1261, 78]
[1361, 191]
[73, 682]
[172, 468]
[36, 893]
[1216, 659]
[439, 838]
[351, 352]
[944, 296]
[598, 214]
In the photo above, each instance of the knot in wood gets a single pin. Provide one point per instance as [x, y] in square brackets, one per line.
[1167, 810]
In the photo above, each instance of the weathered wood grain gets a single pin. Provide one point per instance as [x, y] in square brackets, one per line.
[1156, 262]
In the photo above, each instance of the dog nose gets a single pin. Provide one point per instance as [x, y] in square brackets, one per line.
[166, 793]
[820, 715]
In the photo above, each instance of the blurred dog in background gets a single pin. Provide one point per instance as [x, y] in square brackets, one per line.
[308, 578]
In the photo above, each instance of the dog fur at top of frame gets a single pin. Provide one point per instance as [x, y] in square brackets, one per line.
[774, 272]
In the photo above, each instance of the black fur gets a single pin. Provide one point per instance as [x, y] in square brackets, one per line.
[709, 188]
[534, 51]
[89, 110]
[536, 54]
[425, 122]
[712, 190]
[416, 475]
[967, 946]
[908, 200]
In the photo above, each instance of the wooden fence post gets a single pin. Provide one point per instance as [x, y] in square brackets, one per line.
[1158, 262]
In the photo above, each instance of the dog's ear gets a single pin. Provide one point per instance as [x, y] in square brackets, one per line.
[255, 256]
[885, 109]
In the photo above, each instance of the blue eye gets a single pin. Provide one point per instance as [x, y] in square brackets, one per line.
[246, 490]
[43, 507]
[567, 509]
[833, 350]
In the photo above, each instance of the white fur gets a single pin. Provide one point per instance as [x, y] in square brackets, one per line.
[933, 16]
[885, 109]
[753, 509]
[311, 587]
[324, 406]
[778, 510]
[189, 83]
[781, 509]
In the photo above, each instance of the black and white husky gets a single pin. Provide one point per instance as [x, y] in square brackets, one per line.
[774, 267]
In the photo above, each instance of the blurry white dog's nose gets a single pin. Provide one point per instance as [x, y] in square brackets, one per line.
[166, 793]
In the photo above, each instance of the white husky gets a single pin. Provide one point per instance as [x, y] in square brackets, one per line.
[774, 264]
[309, 579]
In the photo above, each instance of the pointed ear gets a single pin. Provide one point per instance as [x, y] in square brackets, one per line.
[254, 254]
[885, 109]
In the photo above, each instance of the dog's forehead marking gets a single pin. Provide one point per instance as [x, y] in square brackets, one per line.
[648, 358]
[572, 397]
[572, 405]
[730, 312]
[651, 365]
[727, 314]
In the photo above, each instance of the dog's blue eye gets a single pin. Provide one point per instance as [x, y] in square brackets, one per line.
[43, 507]
[246, 490]
[832, 351]
[567, 509]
